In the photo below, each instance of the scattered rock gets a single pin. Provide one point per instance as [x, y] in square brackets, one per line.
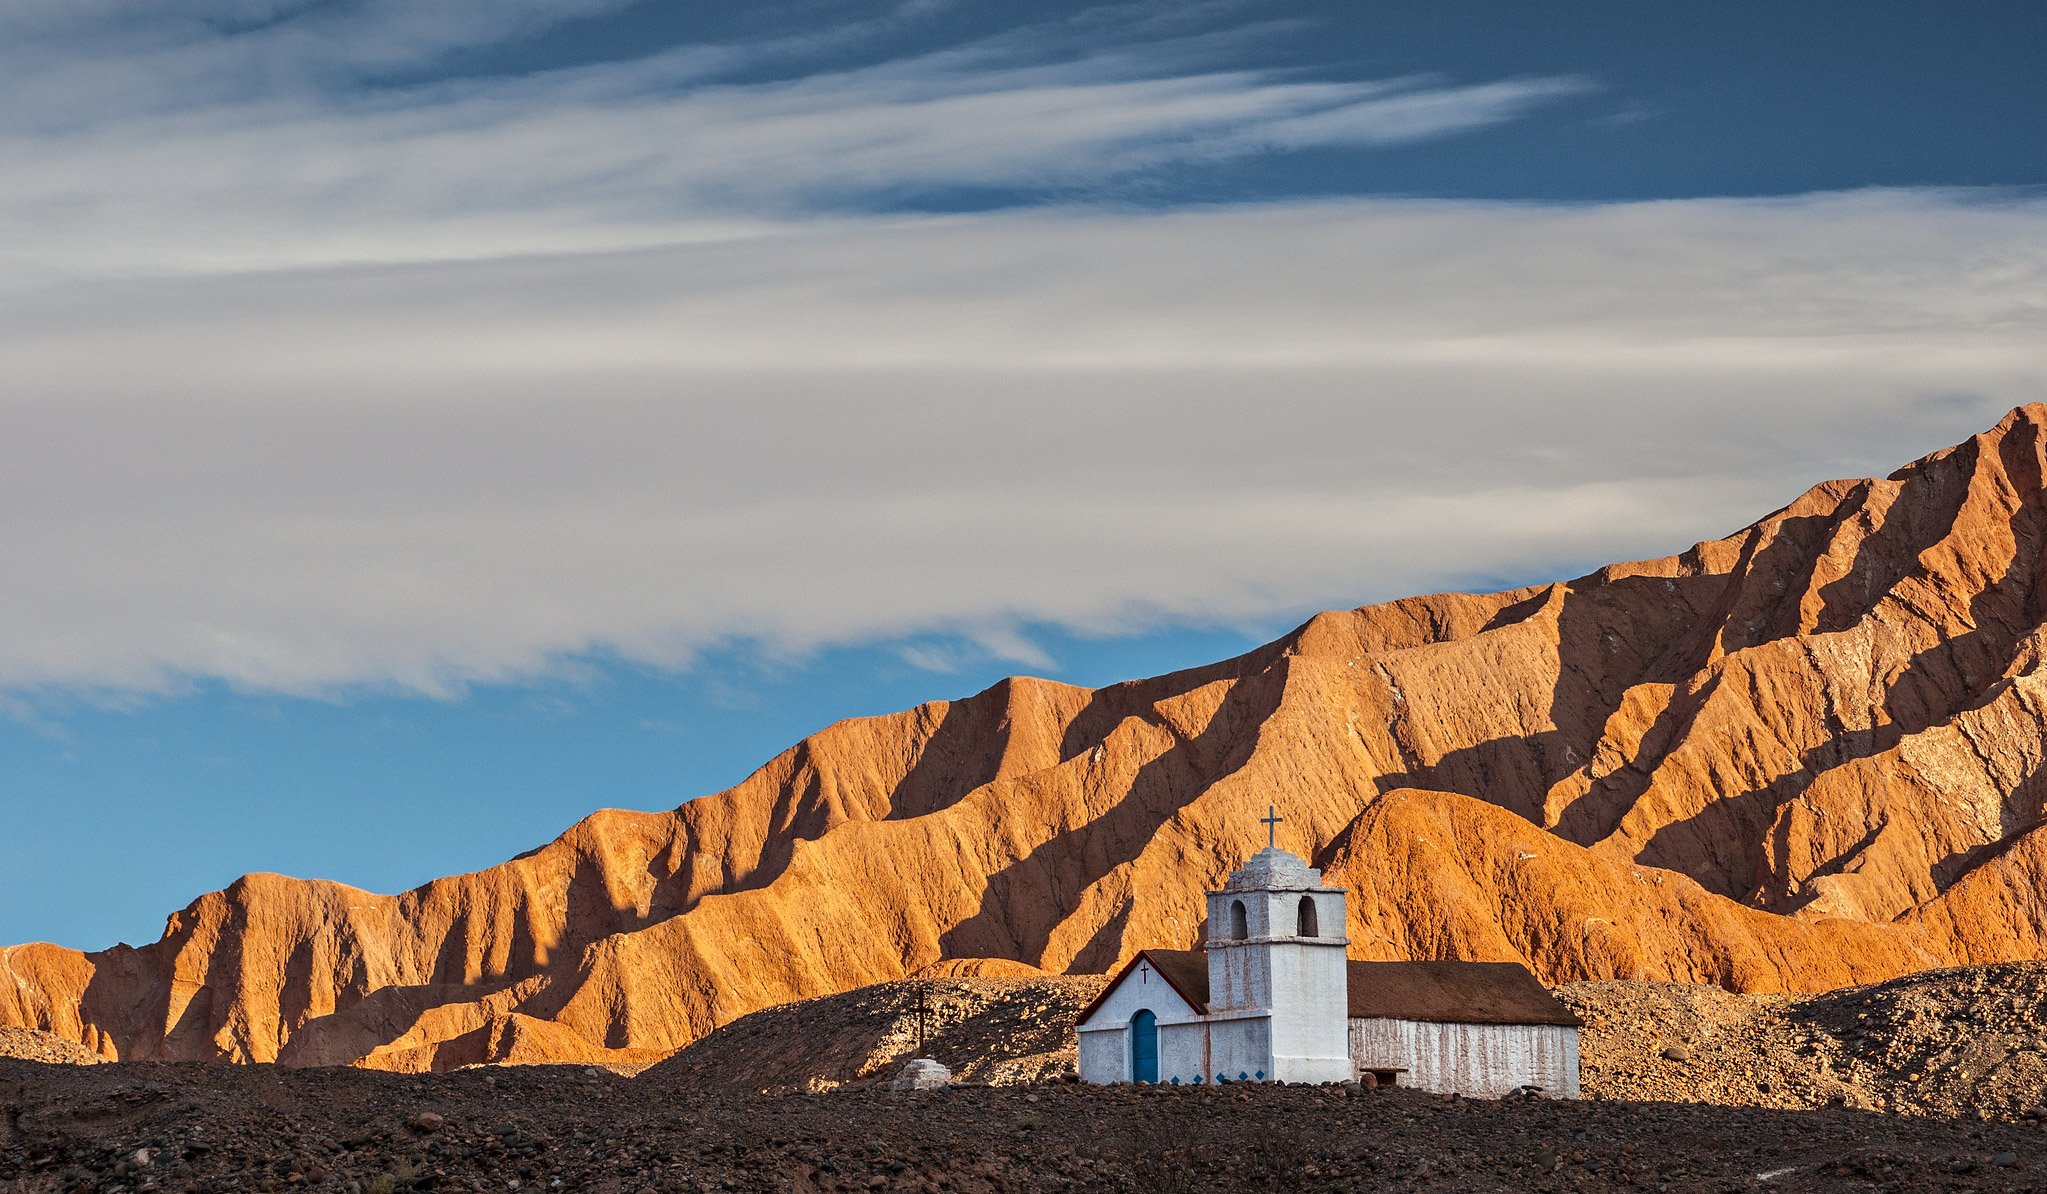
[1944, 1042]
[332, 1130]
[29, 1044]
[988, 1031]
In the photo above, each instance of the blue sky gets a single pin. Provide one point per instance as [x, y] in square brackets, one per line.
[431, 422]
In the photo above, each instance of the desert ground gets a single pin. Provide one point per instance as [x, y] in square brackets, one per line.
[1932, 1082]
[136, 1127]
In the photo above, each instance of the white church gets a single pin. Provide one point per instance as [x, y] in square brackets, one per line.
[1272, 997]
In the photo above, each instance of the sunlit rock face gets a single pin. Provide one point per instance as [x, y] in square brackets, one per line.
[1805, 755]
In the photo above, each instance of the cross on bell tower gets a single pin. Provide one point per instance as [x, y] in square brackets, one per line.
[1278, 984]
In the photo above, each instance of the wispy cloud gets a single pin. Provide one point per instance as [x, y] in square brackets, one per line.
[1415, 113]
[265, 148]
[323, 371]
[433, 474]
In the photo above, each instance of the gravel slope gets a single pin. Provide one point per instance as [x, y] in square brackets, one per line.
[990, 1031]
[1963, 1051]
[1970, 1041]
[1947, 1042]
[139, 1128]
[28, 1044]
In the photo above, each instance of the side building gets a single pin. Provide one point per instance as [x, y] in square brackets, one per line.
[1479, 1029]
[1271, 997]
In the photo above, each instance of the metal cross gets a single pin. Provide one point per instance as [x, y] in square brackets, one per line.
[1271, 821]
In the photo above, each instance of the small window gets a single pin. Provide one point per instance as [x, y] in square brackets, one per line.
[1308, 928]
[1239, 927]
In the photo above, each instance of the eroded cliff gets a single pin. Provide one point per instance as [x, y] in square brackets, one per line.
[1805, 755]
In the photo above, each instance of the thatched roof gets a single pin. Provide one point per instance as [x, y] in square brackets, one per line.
[1453, 993]
[1185, 970]
[1433, 992]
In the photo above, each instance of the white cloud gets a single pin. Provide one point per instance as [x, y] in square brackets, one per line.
[525, 168]
[310, 387]
[431, 474]
[140, 144]
[1416, 115]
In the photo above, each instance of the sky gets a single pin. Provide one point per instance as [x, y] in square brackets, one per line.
[429, 421]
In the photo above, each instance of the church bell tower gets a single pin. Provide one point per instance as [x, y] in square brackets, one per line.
[1278, 989]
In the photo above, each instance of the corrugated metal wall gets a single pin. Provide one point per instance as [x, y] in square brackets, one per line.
[1481, 1061]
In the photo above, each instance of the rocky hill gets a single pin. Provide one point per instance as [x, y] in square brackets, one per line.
[27, 1044]
[1970, 1041]
[1803, 756]
[989, 1032]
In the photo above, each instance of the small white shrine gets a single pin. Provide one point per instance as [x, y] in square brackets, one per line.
[1272, 997]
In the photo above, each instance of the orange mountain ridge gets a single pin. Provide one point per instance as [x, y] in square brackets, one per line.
[1806, 755]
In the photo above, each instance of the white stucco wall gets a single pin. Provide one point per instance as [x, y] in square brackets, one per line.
[1238, 976]
[1302, 982]
[1278, 998]
[1483, 1061]
[1183, 1051]
[1240, 1048]
[1310, 1011]
[1105, 1035]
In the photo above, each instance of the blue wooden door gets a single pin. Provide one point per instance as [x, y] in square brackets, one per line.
[1144, 1047]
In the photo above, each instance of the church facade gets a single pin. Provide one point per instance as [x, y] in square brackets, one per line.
[1272, 997]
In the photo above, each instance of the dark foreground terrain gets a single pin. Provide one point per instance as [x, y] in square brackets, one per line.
[150, 1127]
